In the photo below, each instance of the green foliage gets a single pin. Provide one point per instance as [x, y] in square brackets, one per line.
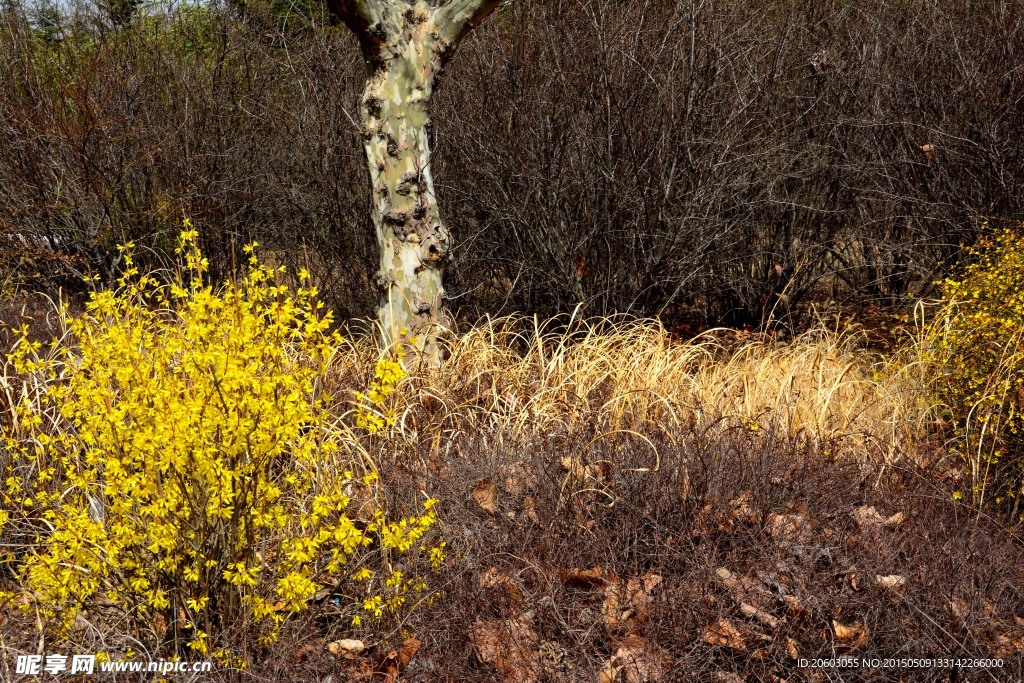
[975, 350]
[173, 456]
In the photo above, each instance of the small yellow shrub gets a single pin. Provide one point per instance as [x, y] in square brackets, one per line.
[974, 349]
[172, 455]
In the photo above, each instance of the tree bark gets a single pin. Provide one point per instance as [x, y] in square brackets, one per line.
[405, 45]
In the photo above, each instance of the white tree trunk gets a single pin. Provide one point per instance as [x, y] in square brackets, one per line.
[414, 242]
[406, 45]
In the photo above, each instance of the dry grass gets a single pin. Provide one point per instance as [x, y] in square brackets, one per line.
[520, 378]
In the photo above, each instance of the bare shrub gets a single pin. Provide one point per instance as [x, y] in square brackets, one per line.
[726, 159]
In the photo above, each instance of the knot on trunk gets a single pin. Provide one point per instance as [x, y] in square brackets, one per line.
[415, 15]
[435, 247]
[396, 218]
[409, 181]
[383, 280]
[373, 105]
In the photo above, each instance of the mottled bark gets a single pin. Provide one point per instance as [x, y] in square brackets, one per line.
[406, 45]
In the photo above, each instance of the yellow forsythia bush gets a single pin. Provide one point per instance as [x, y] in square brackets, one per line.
[171, 456]
[975, 347]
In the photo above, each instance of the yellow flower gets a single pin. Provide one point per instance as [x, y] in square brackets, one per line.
[181, 454]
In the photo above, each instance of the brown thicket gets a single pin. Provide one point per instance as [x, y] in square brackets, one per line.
[717, 162]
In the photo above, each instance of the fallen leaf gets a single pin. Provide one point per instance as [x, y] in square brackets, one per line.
[790, 528]
[159, 625]
[626, 607]
[394, 661]
[387, 666]
[362, 503]
[960, 609]
[795, 607]
[409, 649]
[702, 521]
[485, 493]
[304, 651]
[867, 517]
[895, 520]
[554, 658]
[510, 645]
[609, 674]
[744, 589]
[727, 677]
[854, 636]
[495, 578]
[530, 508]
[1008, 646]
[849, 578]
[640, 661]
[600, 472]
[519, 478]
[594, 577]
[741, 510]
[683, 489]
[891, 582]
[728, 579]
[723, 634]
[752, 612]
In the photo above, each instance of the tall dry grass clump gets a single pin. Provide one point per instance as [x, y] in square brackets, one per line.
[519, 377]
